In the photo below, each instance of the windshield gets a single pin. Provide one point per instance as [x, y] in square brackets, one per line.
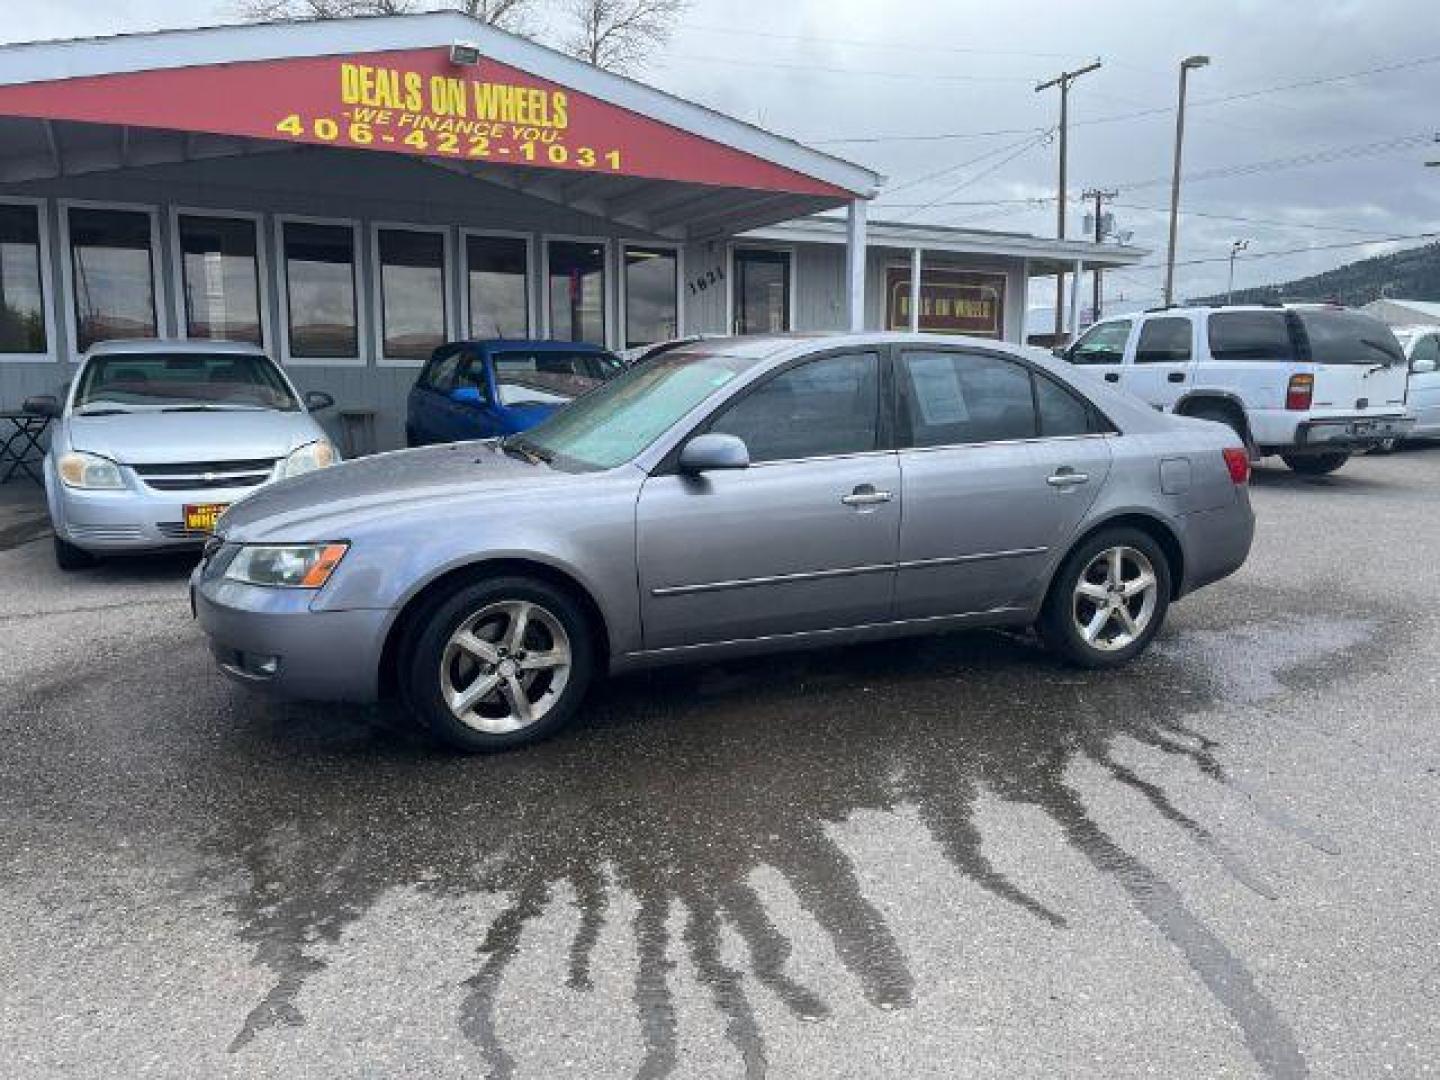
[1338, 336]
[620, 418]
[181, 382]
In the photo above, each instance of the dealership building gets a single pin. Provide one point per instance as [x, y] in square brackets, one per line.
[349, 194]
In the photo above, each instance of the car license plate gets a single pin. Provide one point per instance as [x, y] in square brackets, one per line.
[200, 517]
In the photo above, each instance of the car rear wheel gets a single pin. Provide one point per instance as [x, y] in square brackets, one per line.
[499, 664]
[1315, 464]
[1220, 415]
[70, 557]
[1108, 600]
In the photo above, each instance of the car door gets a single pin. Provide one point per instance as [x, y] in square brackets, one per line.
[1101, 350]
[1157, 367]
[999, 463]
[1424, 395]
[427, 416]
[802, 540]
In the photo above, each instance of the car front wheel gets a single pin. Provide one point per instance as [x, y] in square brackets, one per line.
[500, 663]
[1108, 600]
[1315, 464]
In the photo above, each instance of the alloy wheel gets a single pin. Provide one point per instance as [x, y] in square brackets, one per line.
[1115, 599]
[505, 667]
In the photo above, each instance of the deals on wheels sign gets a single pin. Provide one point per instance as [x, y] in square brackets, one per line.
[951, 301]
[413, 101]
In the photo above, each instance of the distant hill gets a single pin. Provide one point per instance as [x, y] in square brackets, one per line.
[1413, 274]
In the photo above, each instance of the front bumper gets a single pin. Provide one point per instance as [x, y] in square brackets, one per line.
[270, 639]
[1351, 433]
[133, 519]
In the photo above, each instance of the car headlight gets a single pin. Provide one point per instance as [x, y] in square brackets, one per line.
[90, 472]
[286, 566]
[311, 456]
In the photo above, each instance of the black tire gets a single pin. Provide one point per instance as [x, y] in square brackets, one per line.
[426, 659]
[1315, 464]
[1058, 618]
[70, 557]
[1220, 415]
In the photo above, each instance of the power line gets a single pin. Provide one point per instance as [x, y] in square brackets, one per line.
[907, 46]
[966, 164]
[1247, 220]
[812, 68]
[1296, 251]
[1162, 110]
[1023, 148]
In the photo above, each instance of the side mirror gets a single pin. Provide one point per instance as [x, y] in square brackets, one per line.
[315, 400]
[714, 451]
[43, 405]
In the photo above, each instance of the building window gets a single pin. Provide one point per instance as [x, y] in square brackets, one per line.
[762, 291]
[577, 291]
[652, 295]
[320, 290]
[22, 298]
[111, 258]
[497, 270]
[221, 278]
[412, 293]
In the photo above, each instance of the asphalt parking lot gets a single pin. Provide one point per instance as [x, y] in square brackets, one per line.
[928, 859]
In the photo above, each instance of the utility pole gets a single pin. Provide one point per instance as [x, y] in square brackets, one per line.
[1235, 249]
[1186, 65]
[1101, 197]
[1063, 81]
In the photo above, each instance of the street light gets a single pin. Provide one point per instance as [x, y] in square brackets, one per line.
[1185, 66]
[1235, 249]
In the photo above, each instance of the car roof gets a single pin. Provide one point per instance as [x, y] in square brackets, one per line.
[766, 346]
[531, 344]
[193, 346]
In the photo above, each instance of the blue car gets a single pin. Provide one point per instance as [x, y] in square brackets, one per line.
[482, 389]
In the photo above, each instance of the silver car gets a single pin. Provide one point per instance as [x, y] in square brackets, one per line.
[732, 497]
[156, 438]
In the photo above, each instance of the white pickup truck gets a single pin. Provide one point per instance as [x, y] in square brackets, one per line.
[1310, 382]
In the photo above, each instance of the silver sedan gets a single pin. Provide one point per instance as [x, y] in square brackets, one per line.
[731, 497]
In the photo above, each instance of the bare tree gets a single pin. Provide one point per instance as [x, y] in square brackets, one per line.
[618, 34]
[506, 14]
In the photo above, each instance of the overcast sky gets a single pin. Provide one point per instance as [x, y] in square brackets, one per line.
[821, 70]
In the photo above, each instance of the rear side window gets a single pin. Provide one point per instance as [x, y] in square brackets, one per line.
[1251, 335]
[1164, 341]
[955, 398]
[1103, 344]
[1062, 412]
[1337, 336]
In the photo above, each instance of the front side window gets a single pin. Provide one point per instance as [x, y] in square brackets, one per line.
[1163, 341]
[412, 293]
[1250, 335]
[221, 276]
[320, 290]
[498, 273]
[111, 258]
[818, 409]
[181, 382]
[652, 295]
[22, 298]
[440, 372]
[762, 291]
[577, 291]
[1102, 344]
[951, 398]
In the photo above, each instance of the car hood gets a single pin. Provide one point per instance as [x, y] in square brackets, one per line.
[156, 438]
[329, 502]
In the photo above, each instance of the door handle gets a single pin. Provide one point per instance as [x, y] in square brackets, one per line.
[1066, 477]
[1112, 376]
[1176, 376]
[866, 495]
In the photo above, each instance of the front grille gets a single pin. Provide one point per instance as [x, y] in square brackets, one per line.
[205, 475]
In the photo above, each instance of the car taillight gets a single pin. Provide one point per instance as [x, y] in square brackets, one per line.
[1237, 460]
[1300, 393]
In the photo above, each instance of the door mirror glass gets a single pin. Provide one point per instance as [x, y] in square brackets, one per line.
[714, 451]
[315, 400]
[43, 405]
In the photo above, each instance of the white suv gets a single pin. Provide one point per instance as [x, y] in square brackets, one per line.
[1310, 382]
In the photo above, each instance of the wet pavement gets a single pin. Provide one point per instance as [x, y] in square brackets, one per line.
[939, 858]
